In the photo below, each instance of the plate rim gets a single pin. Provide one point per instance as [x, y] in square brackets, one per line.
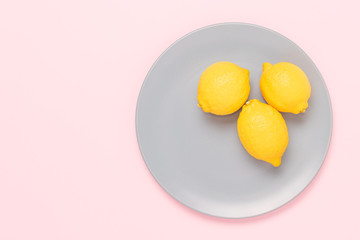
[214, 26]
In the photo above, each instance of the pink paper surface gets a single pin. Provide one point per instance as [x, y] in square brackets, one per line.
[70, 74]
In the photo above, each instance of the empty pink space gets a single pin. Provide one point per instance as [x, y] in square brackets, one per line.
[70, 75]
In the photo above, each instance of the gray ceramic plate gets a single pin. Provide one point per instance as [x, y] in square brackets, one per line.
[197, 157]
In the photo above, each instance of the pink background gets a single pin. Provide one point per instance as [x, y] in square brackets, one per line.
[70, 74]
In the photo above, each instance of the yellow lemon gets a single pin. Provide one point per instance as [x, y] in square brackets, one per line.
[223, 88]
[285, 87]
[263, 132]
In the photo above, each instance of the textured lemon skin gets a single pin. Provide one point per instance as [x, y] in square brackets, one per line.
[223, 88]
[285, 87]
[262, 131]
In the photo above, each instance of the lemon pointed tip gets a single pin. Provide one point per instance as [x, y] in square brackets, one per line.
[266, 66]
[276, 162]
[302, 107]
